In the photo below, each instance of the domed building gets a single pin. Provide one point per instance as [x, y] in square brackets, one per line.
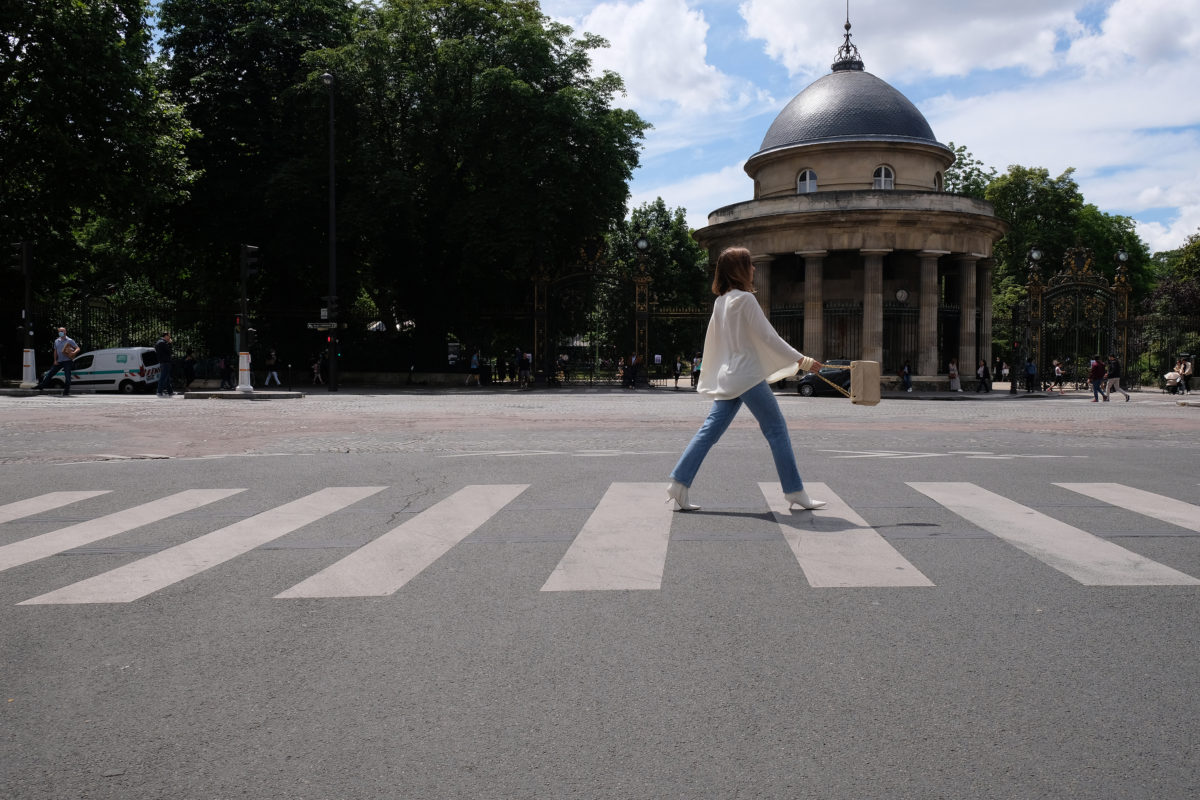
[859, 252]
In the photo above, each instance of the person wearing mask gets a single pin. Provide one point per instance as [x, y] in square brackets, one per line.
[65, 350]
[743, 355]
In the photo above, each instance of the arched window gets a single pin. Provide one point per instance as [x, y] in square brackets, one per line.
[938, 184]
[885, 178]
[807, 182]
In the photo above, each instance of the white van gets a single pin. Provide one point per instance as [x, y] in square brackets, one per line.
[122, 369]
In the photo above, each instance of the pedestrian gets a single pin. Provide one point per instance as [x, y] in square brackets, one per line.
[1058, 376]
[524, 367]
[1030, 374]
[316, 371]
[1112, 378]
[743, 356]
[225, 367]
[1004, 370]
[65, 350]
[473, 370]
[1184, 368]
[272, 370]
[955, 383]
[189, 369]
[697, 365]
[678, 369]
[1096, 377]
[906, 376]
[163, 348]
[985, 377]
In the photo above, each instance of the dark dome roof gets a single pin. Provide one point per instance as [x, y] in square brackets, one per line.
[848, 105]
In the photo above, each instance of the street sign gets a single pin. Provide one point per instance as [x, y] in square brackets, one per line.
[322, 326]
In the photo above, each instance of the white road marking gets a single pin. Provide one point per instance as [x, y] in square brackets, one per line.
[386, 564]
[44, 502]
[1088, 559]
[1160, 507]
[623, 544]
[154, 572]
[48, 544]
[836, 547]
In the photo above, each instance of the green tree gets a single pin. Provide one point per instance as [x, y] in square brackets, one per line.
[967, 175]
[263, 149]
[479, 148]
[91, 152]
[1176, 290]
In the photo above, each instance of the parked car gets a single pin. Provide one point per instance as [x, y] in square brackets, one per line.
[835, 369]
[122, 369]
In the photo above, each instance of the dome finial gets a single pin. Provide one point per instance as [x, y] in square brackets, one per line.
[847, 55]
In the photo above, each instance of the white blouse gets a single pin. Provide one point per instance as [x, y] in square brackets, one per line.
[741, 349]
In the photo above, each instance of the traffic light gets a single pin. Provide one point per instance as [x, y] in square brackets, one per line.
[251, 337]
[20, 256]
[249, 262]
[237, 323]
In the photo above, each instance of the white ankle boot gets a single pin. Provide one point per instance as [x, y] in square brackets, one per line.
[678, 492]
[802, 499]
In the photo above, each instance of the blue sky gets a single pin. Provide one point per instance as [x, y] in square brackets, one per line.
[1105, 87]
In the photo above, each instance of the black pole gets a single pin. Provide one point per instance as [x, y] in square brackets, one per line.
[327, 79]
[27, 310]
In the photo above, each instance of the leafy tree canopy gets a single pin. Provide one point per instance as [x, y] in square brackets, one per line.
[967, 175]
[88, 144]
[479, 147]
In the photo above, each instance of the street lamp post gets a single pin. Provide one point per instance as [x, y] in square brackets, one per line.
[327, 79]
[1022, 344]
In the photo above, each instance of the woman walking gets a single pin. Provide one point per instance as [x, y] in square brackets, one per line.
[742, 355]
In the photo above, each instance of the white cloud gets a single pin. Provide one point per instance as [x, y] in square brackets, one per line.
[700, 194]
[659, 48]
[947, 37]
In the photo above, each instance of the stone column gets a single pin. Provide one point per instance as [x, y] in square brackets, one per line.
[927, 322]
[762, 281]
[872, 339]
[814, 303]
[967, 354]
[984, 290]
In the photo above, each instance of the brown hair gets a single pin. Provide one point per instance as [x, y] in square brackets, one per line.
[733, 271]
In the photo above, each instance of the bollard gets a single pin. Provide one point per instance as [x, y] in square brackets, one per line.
[29, 377]
[244, 373]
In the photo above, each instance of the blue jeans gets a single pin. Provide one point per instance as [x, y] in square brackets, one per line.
[762, 404]
[164, 379]
[1098, 389]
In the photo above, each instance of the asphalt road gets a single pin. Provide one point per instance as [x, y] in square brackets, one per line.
[1010, 674]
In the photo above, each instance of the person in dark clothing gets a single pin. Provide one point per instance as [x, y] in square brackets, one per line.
[163, 348]
[189, 369]
[1096, 378]
[1112, 377]
[985, 377]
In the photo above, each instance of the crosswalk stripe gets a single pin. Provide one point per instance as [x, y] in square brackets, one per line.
[386, 564]
[44, 502]
[154, 572]
[48, 544]
[1157, 506]
[836, 547]
[623, 544]
[1088, 559]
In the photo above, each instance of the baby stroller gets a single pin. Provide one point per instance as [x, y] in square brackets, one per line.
[1173, 381]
